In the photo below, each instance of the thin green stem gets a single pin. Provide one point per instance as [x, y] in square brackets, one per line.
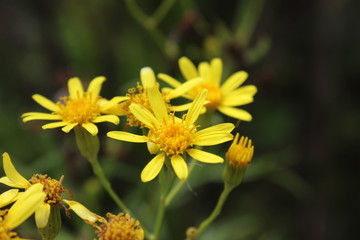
[162, 10]
[215, 213]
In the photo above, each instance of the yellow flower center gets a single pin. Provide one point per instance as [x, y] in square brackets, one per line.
[173, 137]
[5, 233]
[81, 110]
[120, 227]
[137, 95]
[53, 188]
[214, 95]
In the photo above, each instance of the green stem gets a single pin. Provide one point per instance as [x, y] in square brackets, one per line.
[162, 10]
[215, 212]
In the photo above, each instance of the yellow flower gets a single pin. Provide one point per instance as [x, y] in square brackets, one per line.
[23, 208]
[139, 95]
[173, 137]
[51, 187]
[80, 108]
[117, 227]
[222, 97]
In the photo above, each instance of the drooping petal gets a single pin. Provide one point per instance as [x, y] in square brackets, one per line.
[187, 68]
[180, 167]
[8, 197]
[184, 88]
[203, 156]
[233, 100]
[234, 81]
[82, 211]
[147, 77]
[76, 89]
[91, 128]
[127, 137]
[216, 70]
[235, 113]
[196, 107]
[153, 168]
[107, 118]
[152, 147]
[69, 126]
[45, 102]
[95, 87]
[25, 206]
[13, 175]
[39, 116]
[54, 125]
[42, 215]
[169, 80]
[157, 103]
[143, 115]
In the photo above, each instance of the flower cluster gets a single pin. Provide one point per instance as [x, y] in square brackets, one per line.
[173, 133]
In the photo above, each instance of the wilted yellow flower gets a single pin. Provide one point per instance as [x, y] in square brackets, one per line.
[117, 227]
[222, 97]
[80, 108]
[23, 208]
[139, 95]
[51, 187]
[173, 137]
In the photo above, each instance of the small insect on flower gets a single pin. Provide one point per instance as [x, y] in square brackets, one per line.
[80, 108]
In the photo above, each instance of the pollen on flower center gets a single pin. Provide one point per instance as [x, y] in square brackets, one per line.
[81, 110]
[120, 226]
[5, 233]
[174, 137]
[214, 95]
[53, 188]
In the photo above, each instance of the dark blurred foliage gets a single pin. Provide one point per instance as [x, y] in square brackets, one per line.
[302, 55]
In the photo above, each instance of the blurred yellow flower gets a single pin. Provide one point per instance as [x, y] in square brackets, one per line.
[80, 108]
[172, 136]
[240, 152]
[23, 208]
[51, 187]
[222, 97]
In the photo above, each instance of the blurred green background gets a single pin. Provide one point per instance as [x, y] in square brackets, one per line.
[302, 55]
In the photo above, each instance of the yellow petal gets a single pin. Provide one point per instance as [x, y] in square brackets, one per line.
[152, 147]
[12, 174]
[203, 156]
[42, 215]
[25, 206]
[45, 102]
[8, 197]
[7, 182]
[184, 88]
[205, 71]
[95, 87]
[222, 127]
[180, 108]
[196, 107]
[105, 104]
[180, 167]
[107, 118]
[39, 116]
[157, 103]
[187, 68]
[250, 90]
[143, 115]
[234, 81]
[153, 168]
[82, 211]
[216, 70]
[90, 127]
[76, 89]
[210, 139]
[169, 80]
[147, 77]
[68, 127]
[235, 113]
[54, 125]
[126, 136]
[234, 100]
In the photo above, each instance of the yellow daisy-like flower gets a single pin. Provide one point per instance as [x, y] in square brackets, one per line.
[173, 137]
[117, 227]
[222, 97]
[22, 209]
[51, 187]
[139, 95]
[80, 108]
